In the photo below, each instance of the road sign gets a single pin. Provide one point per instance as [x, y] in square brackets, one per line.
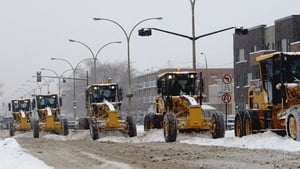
[226, 88]
[226, 98]
[226, 78]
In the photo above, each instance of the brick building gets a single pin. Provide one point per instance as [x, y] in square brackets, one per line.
[283, 36]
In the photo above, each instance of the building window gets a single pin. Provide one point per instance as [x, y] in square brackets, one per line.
[245, 80]
[237, 80]
[241, 55]
[284, 45]
[255, 75]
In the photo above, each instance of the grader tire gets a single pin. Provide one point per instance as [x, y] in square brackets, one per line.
[247, 122]
[238, 124]
[292, 127]
[170, 127]
[65, 129]
[218, 129]
[94, 129]
[95, 133]
[11, 128]
[36, 130]
[131, 126]
[156, 121]
[251, 122]
[83, 124]
[146, 122]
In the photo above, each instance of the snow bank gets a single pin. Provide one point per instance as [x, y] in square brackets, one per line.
[267, 140]
[13, 157]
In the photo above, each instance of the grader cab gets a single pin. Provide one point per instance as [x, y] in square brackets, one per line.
[48, 116]
[21, 111]
[179, 108]
[274, 99]
[103, 103]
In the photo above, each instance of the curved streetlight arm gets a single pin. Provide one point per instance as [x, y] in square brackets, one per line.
[81, 62]
[61, 75]
[105, 46]
[104, 19]
[64, 60]
[129, 94]
[124, 31]
[51, 71]
[158, 18]
[71, 40]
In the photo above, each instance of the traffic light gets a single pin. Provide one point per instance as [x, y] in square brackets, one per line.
[38, 76]
[145, 32]
[74, 105]
[236, 107]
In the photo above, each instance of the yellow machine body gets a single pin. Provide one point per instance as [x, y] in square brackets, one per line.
[103, 103]
[274, 99]
[21, 109]
[48, 113]
[178, 106]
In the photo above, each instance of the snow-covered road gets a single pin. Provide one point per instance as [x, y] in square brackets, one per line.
[12, 156]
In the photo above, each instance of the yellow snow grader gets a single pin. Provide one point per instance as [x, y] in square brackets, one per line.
[21, 111]
[48, 116]
[274, 99]
[179, 108]
[103, 103]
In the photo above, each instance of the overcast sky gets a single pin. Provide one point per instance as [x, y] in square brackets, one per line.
[33, 31]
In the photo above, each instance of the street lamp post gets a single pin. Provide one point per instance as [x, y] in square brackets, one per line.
[93, 54]
[193, 33]
[47, 82]
[74, 70]
[128, 36]
[206, 73]
[38, 85]
[57, 76]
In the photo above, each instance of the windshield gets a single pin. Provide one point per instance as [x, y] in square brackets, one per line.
[104, 92]
[182, 83]
[18, 105]
[47, 101]
[277, 70]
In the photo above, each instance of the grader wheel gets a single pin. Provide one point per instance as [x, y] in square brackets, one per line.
[94, 129]
[218, 127]
[292, 127]
[131, 126]
[238, 125]
[83, 123]
[170, 127]
[146, 122]
[11, 128]
[247, 124]
[65, 128]
[36, 130]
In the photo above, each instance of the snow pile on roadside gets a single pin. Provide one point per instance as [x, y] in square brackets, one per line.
[267, 140]
[13, 157]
